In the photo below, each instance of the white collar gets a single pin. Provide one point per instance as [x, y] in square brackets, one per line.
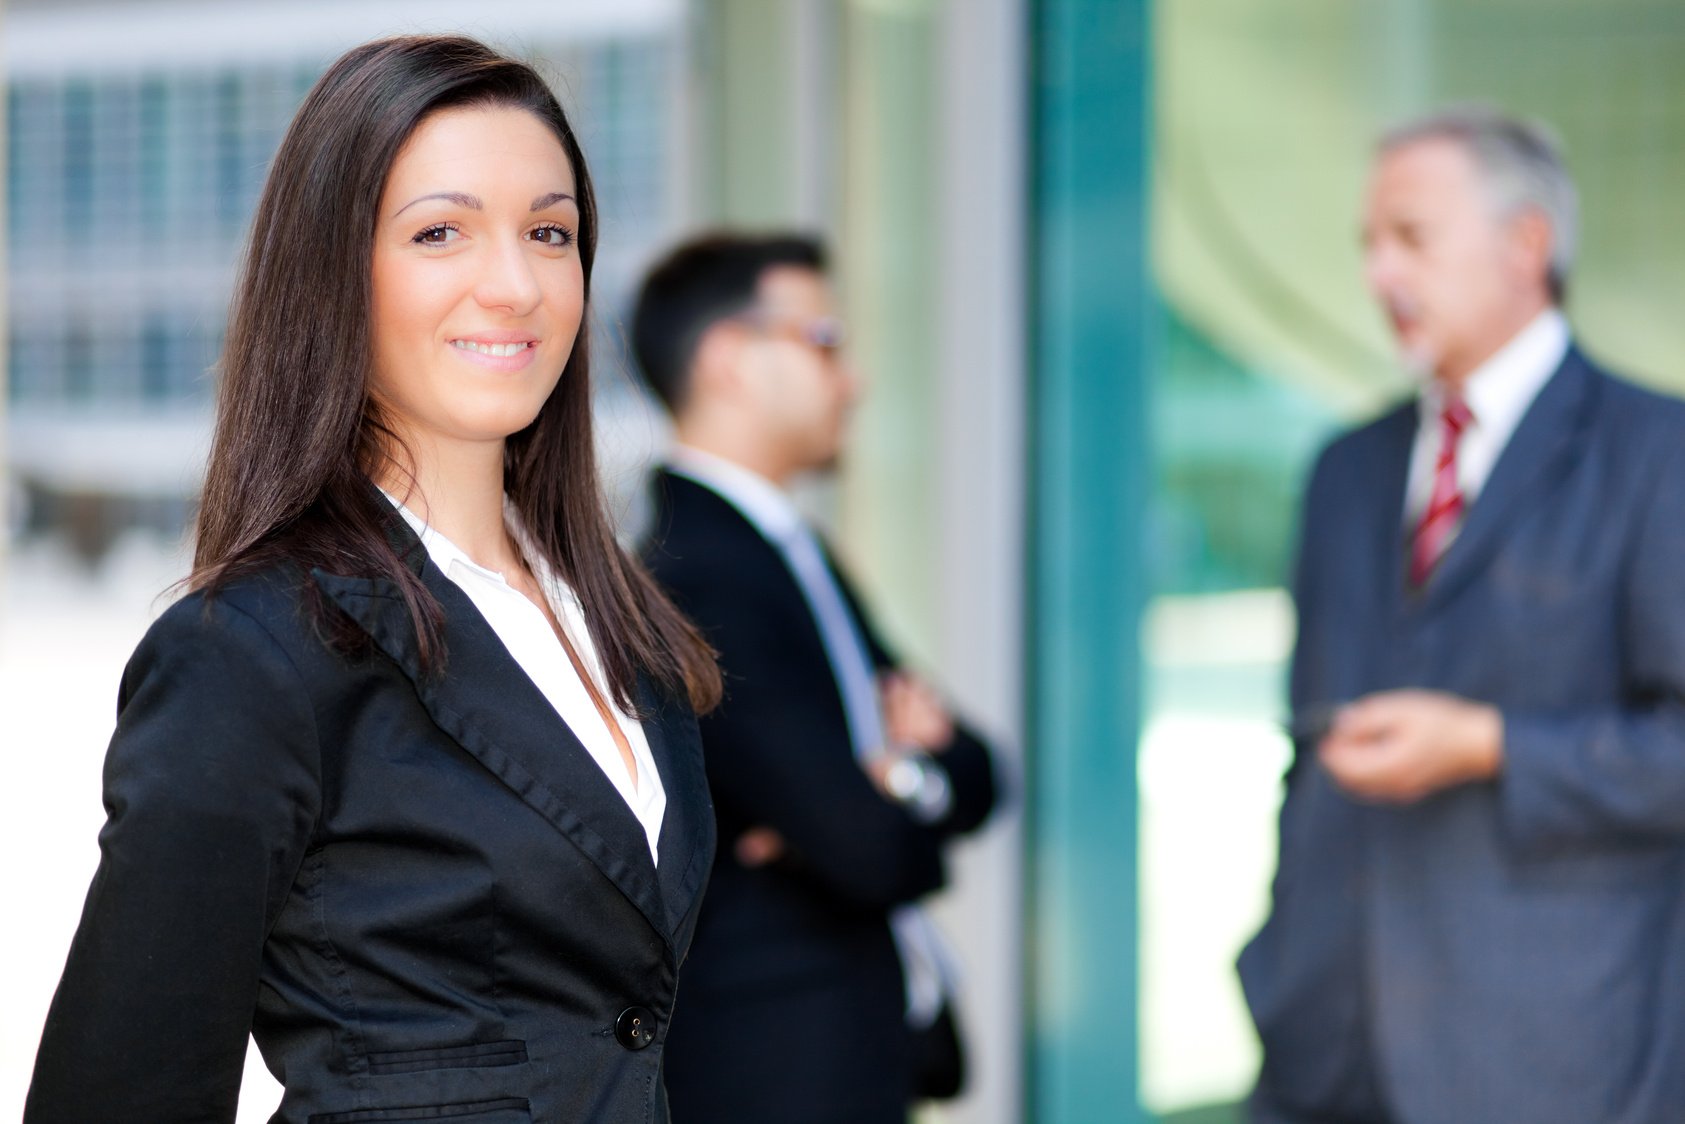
[441, 550]
[1499, 391]
[758, 499]
[446, 553]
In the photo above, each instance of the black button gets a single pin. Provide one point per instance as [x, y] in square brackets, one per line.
[635, 1028]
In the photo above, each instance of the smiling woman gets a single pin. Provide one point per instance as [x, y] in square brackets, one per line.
[409, 786]
[476, 275]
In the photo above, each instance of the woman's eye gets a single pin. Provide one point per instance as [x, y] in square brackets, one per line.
[437, 235]
[553, 236]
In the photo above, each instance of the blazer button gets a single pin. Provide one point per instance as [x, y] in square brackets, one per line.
[635, 1028]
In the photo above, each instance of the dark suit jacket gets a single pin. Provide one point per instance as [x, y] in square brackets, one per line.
[1510, 950]
[420, 894]
[794, 1004]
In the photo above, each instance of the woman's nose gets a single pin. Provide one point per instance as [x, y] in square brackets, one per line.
[507, 279]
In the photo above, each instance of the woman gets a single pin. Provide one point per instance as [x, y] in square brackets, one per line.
[409, 786]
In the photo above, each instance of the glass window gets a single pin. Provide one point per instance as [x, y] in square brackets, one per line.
[80, 151]
[153, 142]
[228, 94]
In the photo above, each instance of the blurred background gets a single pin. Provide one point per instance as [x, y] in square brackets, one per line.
[1099, 260]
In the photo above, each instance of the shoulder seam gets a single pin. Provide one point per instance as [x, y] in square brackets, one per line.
[298, 673]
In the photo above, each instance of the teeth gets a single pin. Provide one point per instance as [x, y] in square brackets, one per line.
[503, 349]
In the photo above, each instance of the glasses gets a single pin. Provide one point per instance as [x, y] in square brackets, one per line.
[823, 333]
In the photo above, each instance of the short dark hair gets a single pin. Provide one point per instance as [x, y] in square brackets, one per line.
[698, 284]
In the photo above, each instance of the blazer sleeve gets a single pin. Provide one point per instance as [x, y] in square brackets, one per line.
[971, 775]
[1606, 774]
[770, 763]
[967, 759]
[1316, 662]
[211, 791]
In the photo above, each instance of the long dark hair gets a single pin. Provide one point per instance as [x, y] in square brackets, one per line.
[297, 432]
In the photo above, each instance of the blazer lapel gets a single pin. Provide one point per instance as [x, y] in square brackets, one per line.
[1389, 538]
[486, 702]
[686, 856]
[1541, 447]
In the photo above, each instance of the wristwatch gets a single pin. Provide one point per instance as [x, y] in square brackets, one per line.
[920, 785]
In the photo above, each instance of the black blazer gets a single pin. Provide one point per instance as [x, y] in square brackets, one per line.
[420, 894]
[794, 1003]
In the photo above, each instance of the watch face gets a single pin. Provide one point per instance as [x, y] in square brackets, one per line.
[904, 779]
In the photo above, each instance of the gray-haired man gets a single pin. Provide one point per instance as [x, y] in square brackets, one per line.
[1479, 912]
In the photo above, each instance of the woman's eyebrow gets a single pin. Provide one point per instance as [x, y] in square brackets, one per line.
[472, 202]
[460, 198]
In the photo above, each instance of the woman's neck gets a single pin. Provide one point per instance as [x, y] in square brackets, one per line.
[458, 490]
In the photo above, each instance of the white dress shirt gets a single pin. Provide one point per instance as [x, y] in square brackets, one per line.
[1497, 394]
[530, 640]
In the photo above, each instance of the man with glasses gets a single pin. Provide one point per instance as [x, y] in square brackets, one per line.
[814, 992]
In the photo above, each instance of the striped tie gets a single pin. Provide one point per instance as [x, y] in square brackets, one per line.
[1445, 507]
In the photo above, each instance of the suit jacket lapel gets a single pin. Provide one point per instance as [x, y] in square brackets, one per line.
[686, 857]
[725, 523]
[1541, 447]
[1389, 539]
[486, 702]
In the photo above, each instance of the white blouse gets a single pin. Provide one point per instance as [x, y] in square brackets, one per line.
[530, 640]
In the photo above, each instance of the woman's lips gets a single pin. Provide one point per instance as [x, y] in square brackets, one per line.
[496, 354]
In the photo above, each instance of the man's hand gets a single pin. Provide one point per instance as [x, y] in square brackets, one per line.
[913, 714]
[758, 846]
[914, 719]
[1398, 746]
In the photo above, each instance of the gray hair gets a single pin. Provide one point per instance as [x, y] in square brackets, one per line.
[1520, 166]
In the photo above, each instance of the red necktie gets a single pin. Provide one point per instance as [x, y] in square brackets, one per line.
[1445, 506]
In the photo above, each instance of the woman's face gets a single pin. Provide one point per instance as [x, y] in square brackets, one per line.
[478, 286]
